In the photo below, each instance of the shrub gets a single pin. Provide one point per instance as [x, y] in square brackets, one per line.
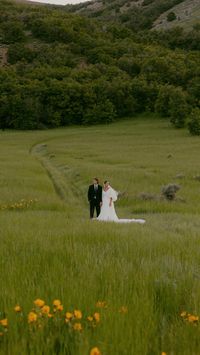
[101, 112]
[178, 108]
[171, 16]
[169, 191]
[19, 52]
[13, 32]
[172, 102]
[194, 122]
[162, 102]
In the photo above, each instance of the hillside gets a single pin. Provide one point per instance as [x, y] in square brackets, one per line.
[141, 14]
[59, 68]
[187, 14]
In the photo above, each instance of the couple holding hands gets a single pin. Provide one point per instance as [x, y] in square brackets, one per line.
[102, 200]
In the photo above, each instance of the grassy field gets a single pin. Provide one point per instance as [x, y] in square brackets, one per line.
[51, 250]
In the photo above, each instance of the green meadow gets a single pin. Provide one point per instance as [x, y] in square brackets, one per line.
[51, 250]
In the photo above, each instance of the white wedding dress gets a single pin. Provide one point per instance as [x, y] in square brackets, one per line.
[108, 212]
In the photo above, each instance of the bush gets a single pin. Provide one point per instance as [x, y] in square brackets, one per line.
[101, 112]
[13, 32]
[162, 102]
[172, 102]
[194, 122]
[178, 108]
[19, 52]
[169, 191]
[171, 16]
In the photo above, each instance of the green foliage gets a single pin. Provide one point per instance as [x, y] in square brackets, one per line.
[130, 65]
[19, 52]
[101, 112]
[162, 103]
[172, 102]
[194, 89]
[171, 16]
[66, 69]
[175, 38]
[144, 93]
[194, 122]
[178, 108]
[13, 31]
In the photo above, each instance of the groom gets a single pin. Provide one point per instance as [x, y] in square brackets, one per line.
[95, 197]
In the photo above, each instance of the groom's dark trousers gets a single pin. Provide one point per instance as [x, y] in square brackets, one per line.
[95, 199]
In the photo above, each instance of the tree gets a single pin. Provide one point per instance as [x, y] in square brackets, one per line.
[172, 102]
[102, 112]
[129, 65]
[144, 94]
[18, 52]
[178, 108]
[194, 122]
[13, 32]
[162, 102]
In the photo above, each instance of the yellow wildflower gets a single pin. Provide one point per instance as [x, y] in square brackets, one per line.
[56, 303]
[45, 309]
[39, 303]
[77, 326]
[68, 315]
[90, 319]
[183, 314]
[50, 315]
[97, 316]
[163, 353]
[17, 308]
[4, 322]
[77, 314]
[60, 307]
[1, 334]
[32, 317]
[123, 309]
[192, 319]
[95, 351]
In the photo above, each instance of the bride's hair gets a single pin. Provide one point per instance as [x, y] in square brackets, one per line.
[106, 182]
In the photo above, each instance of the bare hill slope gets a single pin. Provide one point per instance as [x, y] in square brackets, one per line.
[187, 15]
[140, 14]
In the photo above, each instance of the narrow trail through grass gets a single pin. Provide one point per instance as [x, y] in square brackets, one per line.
[61, 186]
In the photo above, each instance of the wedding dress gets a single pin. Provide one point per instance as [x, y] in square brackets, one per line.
[108, 212]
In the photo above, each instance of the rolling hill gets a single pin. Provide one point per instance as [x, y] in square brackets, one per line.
[187, 15]
[59, 68]
[140, 14]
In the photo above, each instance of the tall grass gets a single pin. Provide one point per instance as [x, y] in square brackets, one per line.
[51, 250]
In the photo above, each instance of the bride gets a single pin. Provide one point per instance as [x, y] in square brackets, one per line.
[108, 209]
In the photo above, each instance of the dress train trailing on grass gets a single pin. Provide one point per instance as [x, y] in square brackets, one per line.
[108, 213]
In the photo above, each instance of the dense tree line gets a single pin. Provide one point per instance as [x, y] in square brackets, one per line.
[65, 69]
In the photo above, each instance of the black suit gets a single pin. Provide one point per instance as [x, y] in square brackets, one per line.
[95, 199]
